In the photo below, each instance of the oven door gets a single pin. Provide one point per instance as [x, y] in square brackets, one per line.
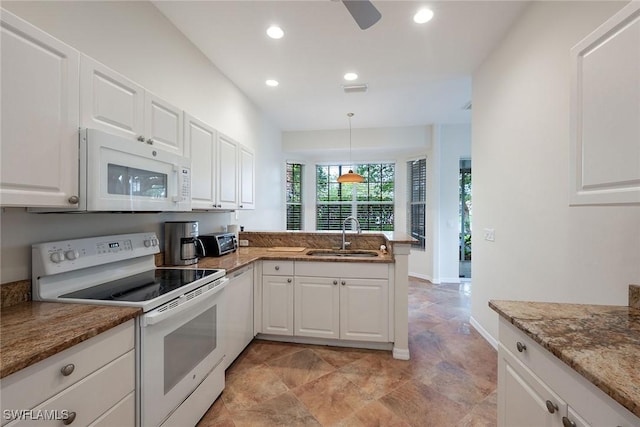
[180, 344]
[123, 175]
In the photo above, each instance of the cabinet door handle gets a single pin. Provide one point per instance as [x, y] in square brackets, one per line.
[566, 422]
[71, 417]
[67, 370]
[141, 138]
[241, 206]
[150, 141]
[551, 407]
[277, 267]
[343, 283]
[335, 282]
[288, 280]
[521, 347]
[74, 200]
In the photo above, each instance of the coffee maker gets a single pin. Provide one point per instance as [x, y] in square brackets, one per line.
[181, 243]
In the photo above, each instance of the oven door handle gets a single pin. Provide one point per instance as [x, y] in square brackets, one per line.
[159, 314]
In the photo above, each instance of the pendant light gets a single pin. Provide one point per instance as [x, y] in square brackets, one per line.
[350, 176]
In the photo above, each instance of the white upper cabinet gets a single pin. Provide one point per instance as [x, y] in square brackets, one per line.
[203, 140]
[605, 113]
[247, 178]
[163, 125]
[40, 101]
[115, 104]
[227, 177]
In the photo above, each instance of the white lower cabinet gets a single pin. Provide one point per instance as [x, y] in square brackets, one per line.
[239, 318]
[91, 383]
[537, 389]
[277, 305]
[316, 307]
[301, 300]
[524, 399]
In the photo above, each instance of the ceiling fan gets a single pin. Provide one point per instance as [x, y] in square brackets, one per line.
[363, 11]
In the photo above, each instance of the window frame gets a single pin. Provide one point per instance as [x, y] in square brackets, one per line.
[354, 203]
[289, 203]
[412, 229]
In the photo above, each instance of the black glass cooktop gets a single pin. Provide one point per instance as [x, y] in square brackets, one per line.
[142, 287]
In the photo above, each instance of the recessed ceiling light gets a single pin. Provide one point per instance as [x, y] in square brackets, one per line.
[350, 76]
[275, 32]
[422, 16]
[272, 83]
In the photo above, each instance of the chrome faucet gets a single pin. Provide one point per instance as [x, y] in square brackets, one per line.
[344, 223]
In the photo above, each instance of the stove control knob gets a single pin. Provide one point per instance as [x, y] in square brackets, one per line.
[57, 257]
[72, 254]
[147, 243]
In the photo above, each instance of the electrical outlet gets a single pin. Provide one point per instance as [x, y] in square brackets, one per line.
[490, 234]
[243, 242]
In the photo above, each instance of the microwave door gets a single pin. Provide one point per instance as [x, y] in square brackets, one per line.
[124, 176]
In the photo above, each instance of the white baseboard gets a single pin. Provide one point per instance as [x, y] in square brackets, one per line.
[421, 276]
[482, 331]
[449, 280]
[401, 353]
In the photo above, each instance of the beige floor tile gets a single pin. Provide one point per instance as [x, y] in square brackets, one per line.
[300, 367]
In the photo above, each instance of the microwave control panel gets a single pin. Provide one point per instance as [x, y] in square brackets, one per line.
[185, 184]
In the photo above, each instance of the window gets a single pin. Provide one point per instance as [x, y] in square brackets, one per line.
[417, 200]
[294, 196]
[371, 201]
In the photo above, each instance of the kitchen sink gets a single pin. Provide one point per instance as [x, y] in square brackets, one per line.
[344, 254]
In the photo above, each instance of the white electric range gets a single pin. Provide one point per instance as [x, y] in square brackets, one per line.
[179, 336]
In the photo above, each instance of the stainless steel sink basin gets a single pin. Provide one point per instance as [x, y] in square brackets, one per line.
[343, 254]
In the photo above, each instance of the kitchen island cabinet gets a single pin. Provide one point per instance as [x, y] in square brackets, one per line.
[299, 299]
[40, 117]
[567, 365]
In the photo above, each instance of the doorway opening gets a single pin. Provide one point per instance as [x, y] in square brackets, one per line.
[465, 216]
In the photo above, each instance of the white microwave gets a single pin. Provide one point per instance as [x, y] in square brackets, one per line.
[121, 175]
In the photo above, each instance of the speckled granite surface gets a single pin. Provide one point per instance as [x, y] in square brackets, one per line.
[601, 343]
[634, 296]
[33, 331]
[15, 293]
[245, 256]
[325, 239]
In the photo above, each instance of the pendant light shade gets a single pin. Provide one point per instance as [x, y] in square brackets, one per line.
[350, 176]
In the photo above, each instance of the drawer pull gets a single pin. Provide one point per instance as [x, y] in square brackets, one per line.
[551, 407]
[335, 282]
[343, 283]
[67, 370]
[521, 347]
[277, 267]
[288, 280]
[566, 422]
[71, 417]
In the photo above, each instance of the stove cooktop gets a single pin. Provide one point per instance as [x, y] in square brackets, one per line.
[141, 287]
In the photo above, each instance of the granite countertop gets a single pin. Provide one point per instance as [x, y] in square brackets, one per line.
[245, 256]
[33, 331]
[600, 342]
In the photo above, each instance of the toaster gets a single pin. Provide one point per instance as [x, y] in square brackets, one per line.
[218, 244]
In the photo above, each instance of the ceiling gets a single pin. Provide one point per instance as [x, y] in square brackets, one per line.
[416, 74]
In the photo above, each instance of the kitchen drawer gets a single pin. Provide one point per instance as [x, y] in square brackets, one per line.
[277, 268]
[533, 355]
[356, 270]
[92, 396]
[123, 414]
[33, 385]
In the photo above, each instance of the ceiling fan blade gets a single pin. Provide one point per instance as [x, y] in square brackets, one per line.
[363, 11]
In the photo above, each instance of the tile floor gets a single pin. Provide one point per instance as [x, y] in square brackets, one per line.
[449, 381]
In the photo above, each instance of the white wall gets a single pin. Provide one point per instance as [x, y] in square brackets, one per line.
[394, 144]
[544, 250]
[439, 261]
[135, 39]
